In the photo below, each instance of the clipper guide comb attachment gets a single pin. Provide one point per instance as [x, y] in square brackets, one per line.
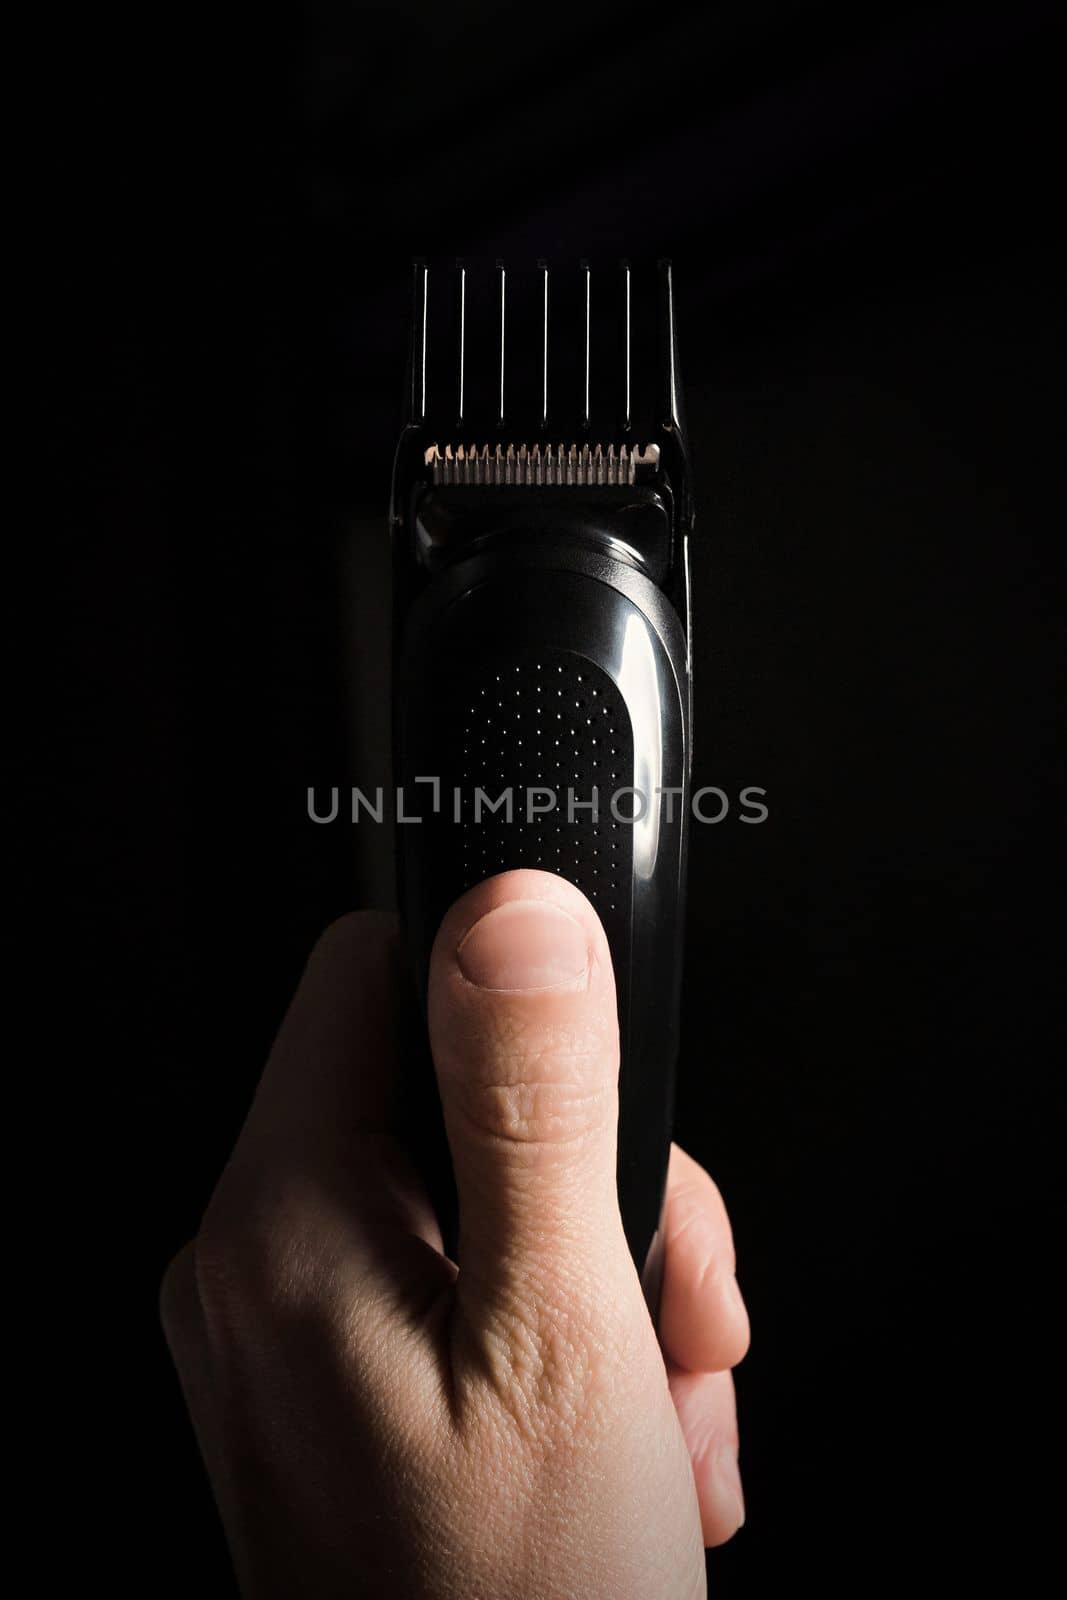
[540, 516]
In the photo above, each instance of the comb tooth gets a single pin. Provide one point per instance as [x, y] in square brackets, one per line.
[587, 308]
[668, 396]
[668, 350]
[417, 389]
[474, 382]
[646, 388]
[543, 269]
[605, 353]
[502, 296]
[443, 364]
[626, 343]
[461, 341]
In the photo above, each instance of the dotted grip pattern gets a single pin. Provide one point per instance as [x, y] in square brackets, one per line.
[553, 731]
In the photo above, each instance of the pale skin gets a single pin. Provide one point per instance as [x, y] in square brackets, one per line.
[376, 1421]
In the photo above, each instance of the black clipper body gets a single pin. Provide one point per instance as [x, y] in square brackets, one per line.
[540, 516]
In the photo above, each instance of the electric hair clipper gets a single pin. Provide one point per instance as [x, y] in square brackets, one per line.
[542, 696]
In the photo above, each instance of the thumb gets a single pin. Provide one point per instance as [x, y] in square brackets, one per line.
[524, 1033]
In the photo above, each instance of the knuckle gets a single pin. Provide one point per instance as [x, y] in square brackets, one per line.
[534, 1085]
[232, 1279]
[698, 1232]
[727, 1345]
[739, 1346]
[532, 1112]
[253, 1262]
[178, 1303]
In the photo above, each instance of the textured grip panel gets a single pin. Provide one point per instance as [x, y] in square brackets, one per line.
[547, 721]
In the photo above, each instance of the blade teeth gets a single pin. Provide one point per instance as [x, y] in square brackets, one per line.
[582, 465]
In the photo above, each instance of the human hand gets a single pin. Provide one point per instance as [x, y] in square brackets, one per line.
[376, 1422]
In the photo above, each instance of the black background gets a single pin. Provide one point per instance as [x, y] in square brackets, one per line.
[860, 206]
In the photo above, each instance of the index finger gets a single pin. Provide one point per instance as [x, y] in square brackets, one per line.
[330, 1073]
